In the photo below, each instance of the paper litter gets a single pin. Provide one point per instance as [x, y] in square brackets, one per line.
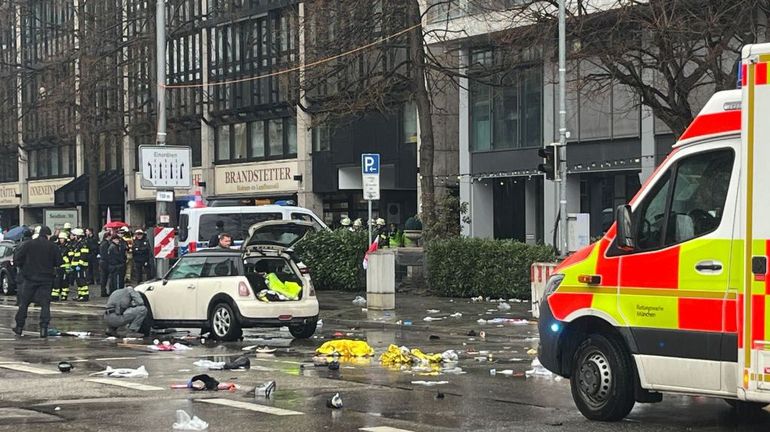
[139, 372]
[185, 423]
[538, 370]
[430, 383]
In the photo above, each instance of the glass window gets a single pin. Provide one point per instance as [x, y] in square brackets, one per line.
[220, 266]
[699, 195]
[533, 107]
[481, 123]
[321, 138]
[250, 219]
[275, 137]
[409, 115]
[54, 155]
[307, 218]
[187, 268]
[223, 143]
[506, 116]
[292, 136]
[239, 139]
[651, 215]
[65, 157]
[257, 139]
[207, 226]
[184, 220]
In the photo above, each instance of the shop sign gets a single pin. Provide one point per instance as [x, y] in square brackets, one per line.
[57, 218]
[8, 192]
[256, 178]
[42, 191]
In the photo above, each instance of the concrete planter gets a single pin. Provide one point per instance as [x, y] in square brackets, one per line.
[413, 235]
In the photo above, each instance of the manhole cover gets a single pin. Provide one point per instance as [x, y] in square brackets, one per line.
[18, 415]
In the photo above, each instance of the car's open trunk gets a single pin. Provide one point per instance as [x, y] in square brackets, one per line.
[256, 267]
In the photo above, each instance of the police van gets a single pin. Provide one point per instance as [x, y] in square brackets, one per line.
[675, 297]
[198, 225]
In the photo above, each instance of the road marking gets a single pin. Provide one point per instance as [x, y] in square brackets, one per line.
[115, 358]
[66, 311]
[126, 384]
[383, 429]
[24, 368]
[251, 407]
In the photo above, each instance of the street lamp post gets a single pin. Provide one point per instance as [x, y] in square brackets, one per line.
[161, 208]
[562, 131]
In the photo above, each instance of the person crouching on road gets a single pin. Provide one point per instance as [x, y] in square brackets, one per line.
[141, 253]
[38, 260]
[125, 307]
[116, 261]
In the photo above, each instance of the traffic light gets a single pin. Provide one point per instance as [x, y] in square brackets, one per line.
[548, 166]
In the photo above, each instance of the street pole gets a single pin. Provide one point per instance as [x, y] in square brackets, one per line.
[161, 208]
[562, 157]
[369, 222]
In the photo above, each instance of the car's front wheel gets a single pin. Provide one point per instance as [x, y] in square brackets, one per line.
[223, 323]
[304, 331]
[5, 284]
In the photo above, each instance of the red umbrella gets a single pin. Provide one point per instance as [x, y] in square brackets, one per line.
[115, 225]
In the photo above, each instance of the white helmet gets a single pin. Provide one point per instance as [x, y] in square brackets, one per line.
[124, 230]
[380, 222]
[345, 221]
[63, 235]
[67, 226]
[358, 222]
[78, 232]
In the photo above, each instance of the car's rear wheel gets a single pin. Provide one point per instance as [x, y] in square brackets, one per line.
[602, 379]
[304, 331]
[224, 324]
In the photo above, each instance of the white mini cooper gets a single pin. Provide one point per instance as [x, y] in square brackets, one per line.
[217, 289]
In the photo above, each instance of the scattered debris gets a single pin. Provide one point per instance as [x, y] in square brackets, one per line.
[335, 402]
[472, 333]
[481, 321]
[346, 348]
[456, 315]
[334, 365]
[506, 372]
[167, 346]
[432, 311]
[449, 356]
[241, 362]
[359, 301]
[477, 299]
[440, 395]
[65, 366]
[430, 383]
[532, 351]
[504, 306]
[433, 337]
[57, 409]
[205, 382]
[483, 334]
[265, 389]
[407, 323]
[139, 372]
[265, 350]
[404, 356]
[210, 365]
[186, 423]
[429, 319]
[538, 370]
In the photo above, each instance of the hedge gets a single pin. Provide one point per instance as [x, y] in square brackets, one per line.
[467, 267]
[335, 259]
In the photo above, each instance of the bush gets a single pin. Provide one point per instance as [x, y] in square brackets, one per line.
[335, 259]
[466, 267]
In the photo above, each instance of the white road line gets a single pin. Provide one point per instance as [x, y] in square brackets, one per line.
[383, 429]
[25, 368]
[66, 311]
[115, 358]
[126, 384]
[250, 407]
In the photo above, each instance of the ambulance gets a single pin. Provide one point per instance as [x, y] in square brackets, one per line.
[675, 297]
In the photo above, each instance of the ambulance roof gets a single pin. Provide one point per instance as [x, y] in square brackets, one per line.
[721, 116]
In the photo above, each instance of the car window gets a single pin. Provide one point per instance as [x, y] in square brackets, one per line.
[307, 218]
[9, 250]
[184, 221]
[699, 195]
[250, 219]
[207, 225]
[220, 266]
[3, 251]
[650, 216]
[187, 267]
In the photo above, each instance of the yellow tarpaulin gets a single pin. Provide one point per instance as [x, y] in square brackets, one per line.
[403, 355]
[346, 348]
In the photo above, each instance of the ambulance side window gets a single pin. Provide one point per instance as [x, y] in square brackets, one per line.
[651, 215]
[699, 195]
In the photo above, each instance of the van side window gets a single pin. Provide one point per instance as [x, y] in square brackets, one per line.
[698, 198]
[688, 207]
[207, 226]
[184, 221]
[250, 219]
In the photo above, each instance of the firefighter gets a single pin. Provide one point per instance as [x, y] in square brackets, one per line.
[381, 230]
[79, 253]
[128, 246]
[61, 285]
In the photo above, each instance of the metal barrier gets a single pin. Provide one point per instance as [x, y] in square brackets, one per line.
[538, 276]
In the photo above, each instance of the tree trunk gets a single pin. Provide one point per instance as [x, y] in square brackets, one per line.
[422, 100]
[92, 170]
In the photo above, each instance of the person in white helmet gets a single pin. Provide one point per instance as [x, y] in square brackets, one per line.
[381, 232]
[345, 222]
[358, 224]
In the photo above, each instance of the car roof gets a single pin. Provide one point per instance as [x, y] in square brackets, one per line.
[256, 209]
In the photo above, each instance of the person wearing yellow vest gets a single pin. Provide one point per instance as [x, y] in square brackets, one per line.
[60, 290]
[79, 253]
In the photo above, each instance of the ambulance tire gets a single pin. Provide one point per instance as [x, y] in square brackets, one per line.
[602, 379]
[743, 407]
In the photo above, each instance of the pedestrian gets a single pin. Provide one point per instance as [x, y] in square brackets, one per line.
[214, 241]
[92, 241]
[38, 261]
[60, 290]
[141, 254]
[104, 268]
[225, 241]
[116, 262]
[80, 252]
[125, 307]
[128, 242]
[26, 236]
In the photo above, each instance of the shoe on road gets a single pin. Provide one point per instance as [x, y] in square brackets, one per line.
[17, 330]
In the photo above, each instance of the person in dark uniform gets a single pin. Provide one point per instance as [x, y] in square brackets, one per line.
[38, 261]
[104, 268]
[141, 253]
[116, 262]
[214, 241]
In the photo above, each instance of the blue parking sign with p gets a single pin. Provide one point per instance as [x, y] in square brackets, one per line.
[370, 163]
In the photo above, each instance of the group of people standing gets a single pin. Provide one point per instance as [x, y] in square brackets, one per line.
[123, 258]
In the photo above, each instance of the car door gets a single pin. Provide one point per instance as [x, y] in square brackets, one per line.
[219, 275]
[175, 298]
[675, 285]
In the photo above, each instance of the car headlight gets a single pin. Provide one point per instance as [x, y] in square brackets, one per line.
[553, 283]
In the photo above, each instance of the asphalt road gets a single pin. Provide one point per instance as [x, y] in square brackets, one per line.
[35, 396]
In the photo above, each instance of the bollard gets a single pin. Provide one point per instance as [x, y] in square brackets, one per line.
[381, 280]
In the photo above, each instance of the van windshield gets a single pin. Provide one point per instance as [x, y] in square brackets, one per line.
[235, 224]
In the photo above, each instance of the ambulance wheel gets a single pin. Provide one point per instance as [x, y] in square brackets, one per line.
[602, 379]
[743, 406]
[224, 324]
[304, 331]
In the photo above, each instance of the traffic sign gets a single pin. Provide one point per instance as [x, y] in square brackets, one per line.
[164, 242]
[165, 196]
[370, 171]
[165, 167]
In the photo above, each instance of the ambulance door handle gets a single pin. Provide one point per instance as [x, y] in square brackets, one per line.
[709, 266]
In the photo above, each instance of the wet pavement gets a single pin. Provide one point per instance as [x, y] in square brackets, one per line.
[35, 396]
